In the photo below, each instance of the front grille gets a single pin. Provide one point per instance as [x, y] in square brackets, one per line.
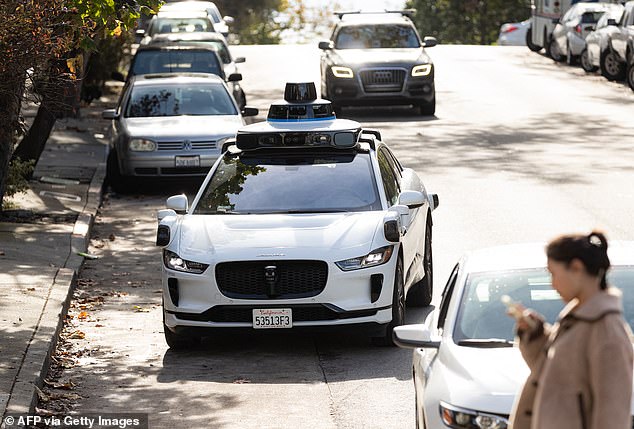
[185, 171]
[301, 313]
[187, 145]
[286, 279]
[383, 80]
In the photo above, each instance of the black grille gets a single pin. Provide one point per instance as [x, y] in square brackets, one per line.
[285, 279]
[185, 171]
[383, 80]
[301, 313]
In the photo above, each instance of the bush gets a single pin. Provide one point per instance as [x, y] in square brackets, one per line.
[17, 176]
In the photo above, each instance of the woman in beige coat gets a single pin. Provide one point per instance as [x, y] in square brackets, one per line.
[581, 367]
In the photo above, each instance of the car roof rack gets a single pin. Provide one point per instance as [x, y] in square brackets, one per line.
[406, 12]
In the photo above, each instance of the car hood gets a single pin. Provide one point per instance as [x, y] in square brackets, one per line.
[381, 56]
[292, 236]
[180, 127]
[483, 379]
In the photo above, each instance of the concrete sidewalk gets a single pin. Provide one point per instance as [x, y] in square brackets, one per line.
[39, 248]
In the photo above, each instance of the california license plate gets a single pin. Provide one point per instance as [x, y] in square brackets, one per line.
[188, 161]
[271, 318]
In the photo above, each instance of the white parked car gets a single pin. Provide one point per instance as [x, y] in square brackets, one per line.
[308, 221]
[221, 23]
[597, 42]
[513, 33]
[176, 22]
[466, 368]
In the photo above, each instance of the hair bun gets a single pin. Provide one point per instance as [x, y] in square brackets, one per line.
[597, 239]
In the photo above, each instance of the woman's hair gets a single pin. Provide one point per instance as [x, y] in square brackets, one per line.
[591, 250]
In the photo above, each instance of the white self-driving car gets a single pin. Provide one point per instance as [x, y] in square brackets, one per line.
[466, 369]
[307, 221]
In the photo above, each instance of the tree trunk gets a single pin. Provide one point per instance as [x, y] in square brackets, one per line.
[10, 98]
[32, 145]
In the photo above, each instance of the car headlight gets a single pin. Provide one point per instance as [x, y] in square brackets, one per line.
[175, 262]
[422, 70]
[142, 145]
[372, 259]
[462, 418]
[342, 72]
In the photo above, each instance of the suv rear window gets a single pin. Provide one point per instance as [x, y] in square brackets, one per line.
[174, 61]
[376, 36]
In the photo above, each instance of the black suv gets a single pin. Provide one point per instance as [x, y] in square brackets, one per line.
[377, 59]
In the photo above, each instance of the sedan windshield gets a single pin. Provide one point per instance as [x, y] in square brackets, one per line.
[173, 100]
[179, 25]
[291, 183]
[376, 36]
[482, 315]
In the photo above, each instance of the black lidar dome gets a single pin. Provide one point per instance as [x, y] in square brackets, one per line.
[300, 92]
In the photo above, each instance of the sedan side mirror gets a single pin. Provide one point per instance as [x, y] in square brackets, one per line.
[325, 45]
[414, 336]
[178, 203]
[239, 60]
[250, 111]
[435, 201]
[228, 19]
[429, 42]
[411, 199]
[234, 77]
[109, 114]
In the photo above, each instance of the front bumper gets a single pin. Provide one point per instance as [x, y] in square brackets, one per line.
[157, 164]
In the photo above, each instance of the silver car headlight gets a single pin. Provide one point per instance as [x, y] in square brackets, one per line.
[462, 418]
[422, 70]
[376, 257]
[175, 262]
[342, 72]
[142, 145]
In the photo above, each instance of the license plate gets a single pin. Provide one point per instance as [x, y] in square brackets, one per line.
[188, 161]
[271, 318]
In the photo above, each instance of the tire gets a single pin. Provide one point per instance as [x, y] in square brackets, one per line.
[421, 293]
[630, 75]
[584, 59]
[571, 60]
[178, 342]
[611, 67]
[398, 308]
[554, 52]
[113, 173]
[529, 41]
[545, 41]
[427, 109]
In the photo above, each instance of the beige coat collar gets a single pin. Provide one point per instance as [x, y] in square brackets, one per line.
[602, 303]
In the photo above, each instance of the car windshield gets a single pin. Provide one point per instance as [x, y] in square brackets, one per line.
[173, 100]
[175, 61]
[313, 182]
[376, 36]
[179, 25]
[482, 315]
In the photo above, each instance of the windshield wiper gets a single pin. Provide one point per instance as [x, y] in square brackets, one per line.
[486, 342]
[310, 211]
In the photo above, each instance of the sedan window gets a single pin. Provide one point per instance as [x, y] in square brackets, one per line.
[175, 101]
[376, 36]
[179, 25]
[291, 183]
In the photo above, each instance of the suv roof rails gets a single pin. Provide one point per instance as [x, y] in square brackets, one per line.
[406, 12]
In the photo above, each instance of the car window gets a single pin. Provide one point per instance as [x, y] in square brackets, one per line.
[390, 182]
[389, 157]
[376, 36]
[179, 25]
[446, 296]
[302, 182]
[591, 17]
[174, 61]
[149, 101]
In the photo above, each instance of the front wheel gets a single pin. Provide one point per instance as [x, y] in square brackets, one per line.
[611, 67]
[420, 294]
[553, 51]
[113, 173]
[180, 341]
[630, 76]
[398, 308]
[529, 41]
[586, 64]
[571, 60]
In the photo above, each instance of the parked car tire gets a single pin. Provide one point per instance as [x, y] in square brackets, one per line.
[630, 75]
[529, 41]
[554, 52]
[611, 67]
[571, 60]
[584, 59]
[180, 341]
[420, 294]
[113, 173]
[398, 308]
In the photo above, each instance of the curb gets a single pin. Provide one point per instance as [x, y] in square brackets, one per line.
[34, 368]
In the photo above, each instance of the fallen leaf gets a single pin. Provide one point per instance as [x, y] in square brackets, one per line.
[79, 335]
[32, 289]
[241, 381]
[111, 237]
[98, 325]
[139, 309]
[83, 315]
[41, 395]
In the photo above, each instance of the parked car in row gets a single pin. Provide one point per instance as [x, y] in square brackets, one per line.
[620, 45]
[221, 23]
[175, 22]
[210, 40]
[597, 40]
[568, 39]
[466, 370]
[513, 33]
[170, 125]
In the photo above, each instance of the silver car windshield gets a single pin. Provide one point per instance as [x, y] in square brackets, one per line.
[482, 315]
[173, 100]
[291, 183]
[179, 25]
[376, 36]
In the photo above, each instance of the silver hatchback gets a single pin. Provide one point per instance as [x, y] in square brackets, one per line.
[171, 125]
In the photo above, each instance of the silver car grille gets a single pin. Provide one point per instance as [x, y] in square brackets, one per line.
[180, 145]
[383, 80]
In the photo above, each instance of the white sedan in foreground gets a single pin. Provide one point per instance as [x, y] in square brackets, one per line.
[466, 368]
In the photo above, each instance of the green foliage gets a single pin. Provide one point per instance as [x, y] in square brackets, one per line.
[256, 21]
[466, 21]
[16, 177]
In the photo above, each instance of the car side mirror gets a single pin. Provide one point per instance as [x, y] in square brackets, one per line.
[429, 42]
[109, 114]
[414, 336]
[234, 77]
[178, 203]
[411, 199]
[228, 19]
[140, 32]
[434, 200]
[239, 60]
[119, 77]
[612, 21]
[250, 111]
[325, 45]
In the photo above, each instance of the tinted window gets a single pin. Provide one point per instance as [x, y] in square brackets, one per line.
[376, 36]
[179, 25]
[171, 100]
[591, 17]
[174, 61]
[301, 182]
[390, 182]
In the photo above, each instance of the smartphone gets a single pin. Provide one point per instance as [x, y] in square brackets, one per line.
[515, 309]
